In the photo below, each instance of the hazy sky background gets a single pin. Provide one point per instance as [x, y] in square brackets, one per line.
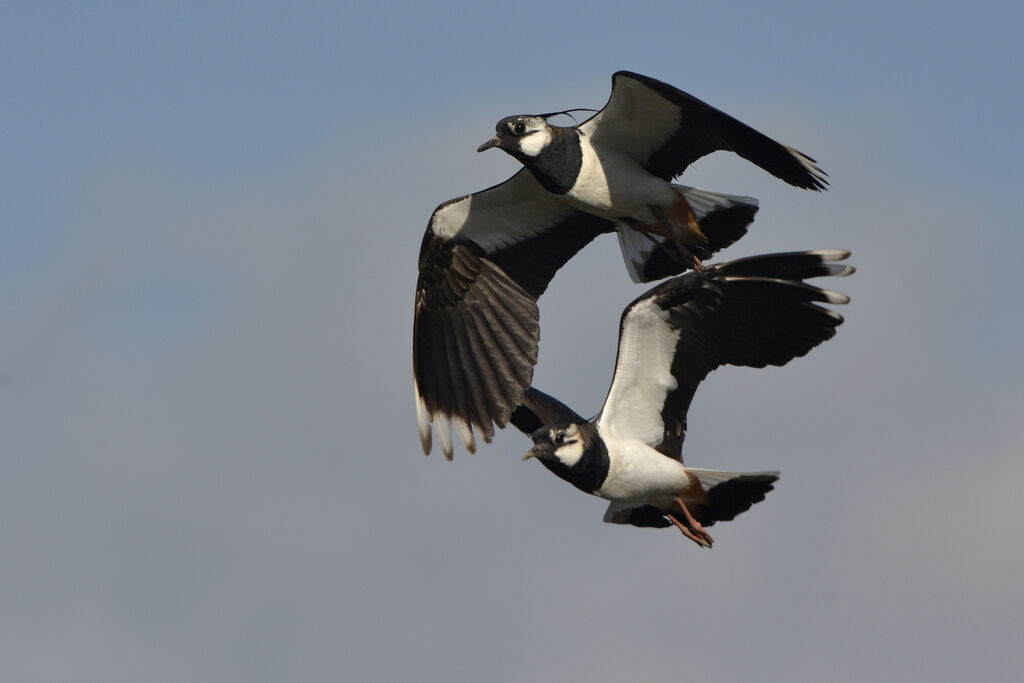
[210, 218]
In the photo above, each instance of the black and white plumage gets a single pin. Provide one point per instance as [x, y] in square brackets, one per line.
[751, 312]
[487, 257]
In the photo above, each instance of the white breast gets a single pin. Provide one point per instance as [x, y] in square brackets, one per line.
[614, 186]
[638, 473]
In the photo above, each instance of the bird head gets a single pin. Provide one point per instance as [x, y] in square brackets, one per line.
[561, 443]
[521, 136]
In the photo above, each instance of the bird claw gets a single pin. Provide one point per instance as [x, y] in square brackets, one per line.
[679, 236]
[698, 535]
[690, 527]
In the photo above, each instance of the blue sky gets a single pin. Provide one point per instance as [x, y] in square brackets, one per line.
[210, 221]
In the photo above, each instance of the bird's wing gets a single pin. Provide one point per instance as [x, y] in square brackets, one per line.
[484, 261]
[635, 514]
[666, 130]
[540, 410]
[750, 312]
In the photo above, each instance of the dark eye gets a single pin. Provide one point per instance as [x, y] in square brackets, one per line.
[559, 438]
[518, 127]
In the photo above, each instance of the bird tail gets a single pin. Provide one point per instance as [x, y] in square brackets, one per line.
[725, 495]
[722, 218]
[728, 494]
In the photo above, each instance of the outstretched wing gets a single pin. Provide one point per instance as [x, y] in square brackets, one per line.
[750, 312]
[666, 130]
[484, 261]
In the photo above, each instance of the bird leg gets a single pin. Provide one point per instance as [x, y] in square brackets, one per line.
[689, 534]
[678, 235]
[679, 515]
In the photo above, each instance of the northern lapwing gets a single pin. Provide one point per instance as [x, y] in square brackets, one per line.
[751, 312]
[487, 257]
[619, 163]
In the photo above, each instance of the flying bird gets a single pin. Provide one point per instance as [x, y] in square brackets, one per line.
[487, 257]
[751, 312]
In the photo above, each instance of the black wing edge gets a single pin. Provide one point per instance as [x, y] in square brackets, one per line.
[751, 312]
[540, 410]
[711, 129]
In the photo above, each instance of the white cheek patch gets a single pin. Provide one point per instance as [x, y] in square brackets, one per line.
[534, 143]
[570, 454]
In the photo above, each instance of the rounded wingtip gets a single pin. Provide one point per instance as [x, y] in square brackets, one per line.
[444, 435]
[829, 255]
[466, 434]
[422, 419]
[835, 297]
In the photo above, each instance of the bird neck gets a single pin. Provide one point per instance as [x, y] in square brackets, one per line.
[559, 163]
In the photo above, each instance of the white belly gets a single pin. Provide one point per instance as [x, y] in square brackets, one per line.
[638, 473]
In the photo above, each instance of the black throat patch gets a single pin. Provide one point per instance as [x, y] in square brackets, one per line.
[557, 167]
